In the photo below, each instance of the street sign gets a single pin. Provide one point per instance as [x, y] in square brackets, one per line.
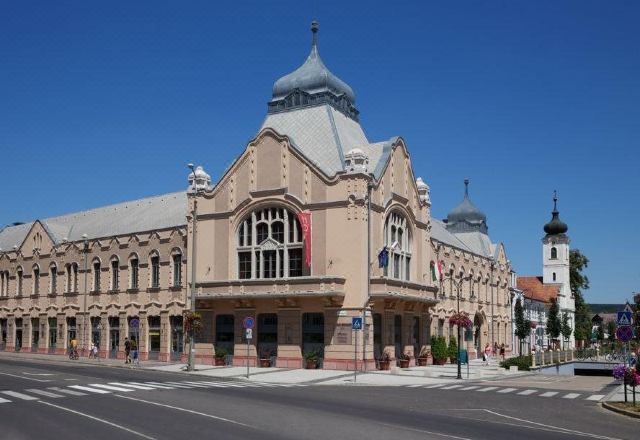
[624, 318]
[356, 323]
[624, 333]
[134, 323]
[249, 333]
[248, 322]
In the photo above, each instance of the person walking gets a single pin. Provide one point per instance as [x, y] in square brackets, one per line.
[127, 350]
[502, 351]
[486, 354]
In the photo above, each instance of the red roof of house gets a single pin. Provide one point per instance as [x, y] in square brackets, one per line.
[535, 289]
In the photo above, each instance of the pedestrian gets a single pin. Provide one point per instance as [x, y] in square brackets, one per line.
[134, 350]
[92, 350]
[127, 350]
[502, 351]
[486, 354]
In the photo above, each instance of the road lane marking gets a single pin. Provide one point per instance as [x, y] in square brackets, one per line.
[451, 387]
[69, 392]
[595, 397]
[157, 385]
[110, 387]
[507, 390]
[106, 422]
[25, 378]
[436, 385]
[527, 392]
[131, 385]
[562, 430]
[440, 434]
[37, 374]
[4, 400]
[178, 385]
[549, 394]
[414, 386]
[19, 395]
[484, 390]
[571, 396]
[91, 390]
[177, 408]
[44, 393]
[469, 388]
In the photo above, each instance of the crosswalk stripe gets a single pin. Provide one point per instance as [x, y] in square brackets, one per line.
[110, 387]
[484, 390]
[91, 390]
[570, 396]
[527, 392]
[4, 400]
[19, 395]
[44, 393]
[451, 387]
[549, 394]
[438, 385]
[157, 385]
[414, 386]
[469, 388]
[130, 385]
[181, 385]
[507, 390]
[69, 392]
[595, 397]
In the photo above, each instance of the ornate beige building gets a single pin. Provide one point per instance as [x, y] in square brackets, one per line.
[282, 237]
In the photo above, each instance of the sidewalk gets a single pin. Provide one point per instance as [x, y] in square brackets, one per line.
[80, 361]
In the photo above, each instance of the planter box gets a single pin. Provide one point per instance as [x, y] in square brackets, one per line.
[219, 362]
[422, 362]
[439, 361]
[265, 363]
[384, 365]
[311, 365]
[404, 363]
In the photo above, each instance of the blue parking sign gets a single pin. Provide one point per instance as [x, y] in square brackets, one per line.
[356, 323]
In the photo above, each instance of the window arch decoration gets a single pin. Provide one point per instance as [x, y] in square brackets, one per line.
[53, 278]
[472, 280]
[554, 253]
[270, 245]
[397, 239]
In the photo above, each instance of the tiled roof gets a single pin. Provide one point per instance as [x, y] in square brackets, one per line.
[473, 242]
[152, 213]
[535, 289]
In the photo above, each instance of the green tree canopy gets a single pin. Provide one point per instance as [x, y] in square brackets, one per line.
[579, 282]
[554, 326]
[523, 325]
[566, 329]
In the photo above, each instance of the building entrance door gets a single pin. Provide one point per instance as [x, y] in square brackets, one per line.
[18, 334]
[3, 334]
[154, 337]
[268, 336]
[177, 337]
[114, 337]
[35, 334]
[313, 333]
[53, 335]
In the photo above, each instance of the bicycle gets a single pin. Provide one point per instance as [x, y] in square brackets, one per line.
[73, 354]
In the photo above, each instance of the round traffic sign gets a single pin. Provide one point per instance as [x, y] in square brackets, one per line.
[134, 323]
[248, 322]
[624, 333]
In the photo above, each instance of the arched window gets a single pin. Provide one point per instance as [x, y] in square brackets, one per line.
[53, 282]
[19, 278]
[134, 272]
[36, 280]
[176, 260]
[97, 267]
[554, 253]
[554, 276]
[270, 245]
[472, 281]
[397, 240]
[4, 286]
[115, 273]
[154, 261]
[72, 277]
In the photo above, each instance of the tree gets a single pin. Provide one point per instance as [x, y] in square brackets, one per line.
[579, 282]
[600, 333]
[554, 326]
[565, 329]
[611, 330]
[523, 325]
[636, 317]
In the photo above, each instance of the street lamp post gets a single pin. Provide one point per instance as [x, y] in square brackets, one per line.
[493, 340]
[194, 215]
[458, 286]
[366, 302]
[84, 307]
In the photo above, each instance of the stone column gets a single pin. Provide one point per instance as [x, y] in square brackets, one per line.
[165, 337]
[103, 350]
[61, 341]
[124, 333]
[143, 333]
[11, 333]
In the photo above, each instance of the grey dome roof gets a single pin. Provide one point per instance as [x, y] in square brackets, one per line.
[555, 226]
[312, 77]
[466, 216]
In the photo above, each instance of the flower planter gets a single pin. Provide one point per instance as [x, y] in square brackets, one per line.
[219, 362]
[404, 363]
[265, 363]
[439, 361]
[384, 365]
[422, 362]
[311, 364]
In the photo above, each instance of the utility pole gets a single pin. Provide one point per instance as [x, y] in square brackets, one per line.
[84, 306]
[194, 214]
[366, 302]
[493, 340]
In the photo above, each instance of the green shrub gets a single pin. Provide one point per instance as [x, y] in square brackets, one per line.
[522, 362]
[452, 351]
[438, 347]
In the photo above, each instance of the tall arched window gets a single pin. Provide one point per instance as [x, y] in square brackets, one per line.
[133, 272]
[19, 278]
[176, 260]
[397, 239]
[36, 280]
[115, 273]
[270, 245]
[97, 267]
[554, 253]
[72, 277]
[53, 281]
[154, 261]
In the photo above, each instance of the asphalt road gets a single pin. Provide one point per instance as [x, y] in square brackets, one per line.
[63, 404]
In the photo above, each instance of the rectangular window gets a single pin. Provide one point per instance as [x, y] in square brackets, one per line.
[96, 277]
[134, 273]
[177, 270]
[295, 262]
[244, 265]
[407, 272]
[396, 266]
[155, 272]
[269, 264]
[115, 274]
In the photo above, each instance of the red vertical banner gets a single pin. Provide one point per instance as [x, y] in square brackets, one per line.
[305, 224]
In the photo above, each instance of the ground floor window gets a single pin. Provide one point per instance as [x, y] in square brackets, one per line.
[416, 335]
[225, 332]
[72, 331]
[267, 335]
[397, 334]
[96, 328]
[53, 334]
[377, 335]
[313, 333]
[35, 334]
[18, 334]
[177, 337]
[154, 337]
[3, 335]
[114, 337]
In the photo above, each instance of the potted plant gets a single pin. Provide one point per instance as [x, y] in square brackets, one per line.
[423, 357]
[439, 350]
[265, 358]
[384, 361]
[452, 351]
[221, 353]
[311, 359]
[404, 360]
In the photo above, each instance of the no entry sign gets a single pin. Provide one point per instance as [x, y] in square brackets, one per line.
[624, 333]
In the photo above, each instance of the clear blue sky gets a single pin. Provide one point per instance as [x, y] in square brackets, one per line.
[102, 102]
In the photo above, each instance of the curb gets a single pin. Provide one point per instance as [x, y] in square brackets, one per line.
[620, 410]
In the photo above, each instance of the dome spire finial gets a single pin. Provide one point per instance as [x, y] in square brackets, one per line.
[315, 26]
[466, 187]
[555, 200]
[555, 226]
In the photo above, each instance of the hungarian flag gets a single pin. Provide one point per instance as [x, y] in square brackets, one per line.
[305, 223]
[436, 271]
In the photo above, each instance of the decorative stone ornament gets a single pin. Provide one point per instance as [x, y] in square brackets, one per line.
[356, 161]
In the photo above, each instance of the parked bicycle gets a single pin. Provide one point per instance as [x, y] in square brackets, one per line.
[73, 354]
